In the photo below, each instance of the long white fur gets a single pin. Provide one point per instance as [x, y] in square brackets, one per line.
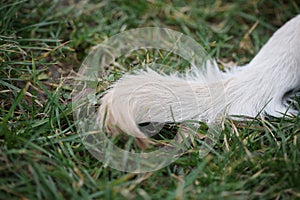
[257, 88]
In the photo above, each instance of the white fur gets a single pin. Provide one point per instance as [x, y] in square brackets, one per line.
[257, 88]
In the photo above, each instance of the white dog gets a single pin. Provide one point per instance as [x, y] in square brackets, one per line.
[259, 88]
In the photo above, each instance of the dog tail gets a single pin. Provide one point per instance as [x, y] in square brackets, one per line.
[151, 97]
[258, 88]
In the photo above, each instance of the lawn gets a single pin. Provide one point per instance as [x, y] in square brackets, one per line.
[42, 46]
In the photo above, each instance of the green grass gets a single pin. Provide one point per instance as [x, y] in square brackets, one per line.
[42, 156]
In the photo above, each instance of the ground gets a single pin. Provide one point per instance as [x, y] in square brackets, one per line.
[42, 45]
